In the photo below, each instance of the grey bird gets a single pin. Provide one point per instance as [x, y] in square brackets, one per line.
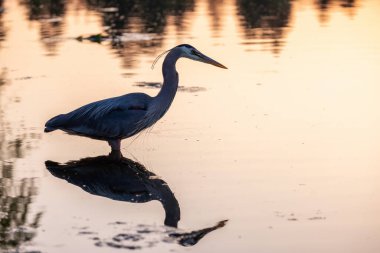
[117, 118]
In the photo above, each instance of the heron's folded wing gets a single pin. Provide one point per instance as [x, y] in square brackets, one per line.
[97, 116]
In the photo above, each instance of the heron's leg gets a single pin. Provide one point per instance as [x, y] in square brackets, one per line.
[115, 144]
[115, 155]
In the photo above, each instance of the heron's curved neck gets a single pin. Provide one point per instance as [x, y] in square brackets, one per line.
[170, 85]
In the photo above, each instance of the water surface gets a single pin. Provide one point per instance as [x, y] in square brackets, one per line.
[283, 144]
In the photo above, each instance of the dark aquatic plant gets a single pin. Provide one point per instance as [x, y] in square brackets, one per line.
[98, 38]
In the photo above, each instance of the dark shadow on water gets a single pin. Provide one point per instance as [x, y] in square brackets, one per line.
[146, 236]
[193, 237]
[122, 179]
[118, 179]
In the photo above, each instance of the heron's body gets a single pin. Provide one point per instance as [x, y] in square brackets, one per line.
[97, 120]
[117, 118]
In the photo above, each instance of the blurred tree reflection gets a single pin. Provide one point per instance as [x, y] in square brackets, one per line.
[216, 14]
[137, 27]
[147, 16]
[16, 195]
[265, 21]
[49, 14]
[43, 9]
[325, 7]
[15, 202]
[133, 27]
[2, 28]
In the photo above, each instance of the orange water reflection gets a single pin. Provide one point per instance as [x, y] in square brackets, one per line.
[283, 144]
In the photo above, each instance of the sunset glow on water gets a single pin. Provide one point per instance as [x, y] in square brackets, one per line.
[284, 144]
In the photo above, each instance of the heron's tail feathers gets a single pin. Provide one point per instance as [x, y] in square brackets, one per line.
[54, 123]
[49, 129]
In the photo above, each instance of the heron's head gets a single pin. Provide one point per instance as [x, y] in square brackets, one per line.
[192, 53]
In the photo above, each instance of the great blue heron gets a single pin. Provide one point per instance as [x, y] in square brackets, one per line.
[117, 118]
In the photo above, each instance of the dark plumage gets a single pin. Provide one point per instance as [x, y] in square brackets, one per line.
[117, 118]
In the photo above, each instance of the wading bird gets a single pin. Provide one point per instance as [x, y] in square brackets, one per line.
[117, 118]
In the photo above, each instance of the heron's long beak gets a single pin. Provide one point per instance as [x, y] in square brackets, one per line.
[208, 60]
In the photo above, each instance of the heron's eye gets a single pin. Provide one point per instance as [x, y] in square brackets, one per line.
[193, 52]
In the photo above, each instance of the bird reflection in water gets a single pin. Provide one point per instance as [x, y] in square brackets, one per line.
[119, 178]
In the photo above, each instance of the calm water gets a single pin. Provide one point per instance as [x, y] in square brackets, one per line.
[284, 144]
